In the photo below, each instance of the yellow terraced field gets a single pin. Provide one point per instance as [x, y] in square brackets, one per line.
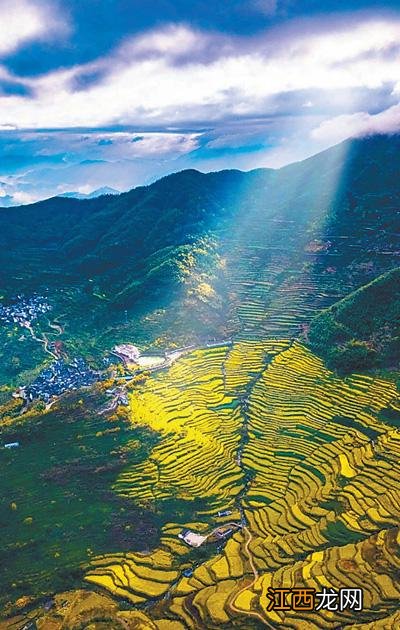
[191, 409]
[304, 463]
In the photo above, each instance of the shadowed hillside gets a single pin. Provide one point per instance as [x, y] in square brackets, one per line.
[245, 461]
[363, 329]
[197, 256]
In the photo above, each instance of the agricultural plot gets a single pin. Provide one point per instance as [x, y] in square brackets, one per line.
[297, 457]
[275, 289]
[54, 519]
[200, 425]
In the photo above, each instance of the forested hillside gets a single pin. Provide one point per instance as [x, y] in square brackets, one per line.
[197, 256]
[261, 451]
[362, 330]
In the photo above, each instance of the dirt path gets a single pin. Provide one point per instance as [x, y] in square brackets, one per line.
[255, 614]
[56, 327]
[43, 341]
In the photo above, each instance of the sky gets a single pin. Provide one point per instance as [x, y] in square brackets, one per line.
[118, 93]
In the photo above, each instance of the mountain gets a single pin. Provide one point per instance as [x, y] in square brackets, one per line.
[104, 190]
[6, 201]
[257, 446]
[200, 256]
[363, 329]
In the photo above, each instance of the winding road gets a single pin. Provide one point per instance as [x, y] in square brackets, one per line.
[56, 327]
[43, 340]
[250, 613]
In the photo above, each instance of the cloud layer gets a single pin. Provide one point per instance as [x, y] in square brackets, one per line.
[180, 95]
[23, 21]
[179, 76]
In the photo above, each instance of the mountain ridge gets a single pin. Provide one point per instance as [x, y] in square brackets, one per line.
[340, 147]
[244, 289]
[206, 249]
[104, 190]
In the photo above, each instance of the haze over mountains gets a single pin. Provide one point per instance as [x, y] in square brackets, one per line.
[104, 190]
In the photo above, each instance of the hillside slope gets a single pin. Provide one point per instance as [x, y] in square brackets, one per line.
[198, 256]
[286, 471]
[258, 439]
[363, 329]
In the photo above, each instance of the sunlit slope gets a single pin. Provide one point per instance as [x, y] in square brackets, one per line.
[196, 257]
[371, 564]
[300, 416]
[200, 422]
[274, 286]
[300, 457]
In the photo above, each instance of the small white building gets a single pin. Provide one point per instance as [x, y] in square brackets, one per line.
[192, 538]
[127, 352]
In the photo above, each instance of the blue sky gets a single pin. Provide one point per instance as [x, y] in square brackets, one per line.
[120, 92]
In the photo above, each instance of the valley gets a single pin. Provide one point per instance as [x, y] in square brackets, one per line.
[263, 422]
[314, 444]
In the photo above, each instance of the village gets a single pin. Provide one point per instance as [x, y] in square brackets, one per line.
[58, 378]
[63, 375]
[24, 310]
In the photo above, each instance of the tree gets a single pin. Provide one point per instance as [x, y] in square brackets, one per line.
[353, 356]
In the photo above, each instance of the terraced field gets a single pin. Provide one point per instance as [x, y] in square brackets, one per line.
[202, 430]
[276, 285]
[299, 459]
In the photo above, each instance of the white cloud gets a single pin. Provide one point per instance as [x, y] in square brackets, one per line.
[177, 76]
[358, 124]
[85, 189]
[62, 161]
[109, 146]
[237, 139]
[21, 197]
[22, 21]
[143, 145]
[173, 40]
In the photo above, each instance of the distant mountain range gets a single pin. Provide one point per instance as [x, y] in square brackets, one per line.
[105, 190]
[200, 256]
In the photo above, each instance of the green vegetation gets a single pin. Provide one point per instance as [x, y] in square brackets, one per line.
[196, 256]
[56, 508]
[362, 331]
[258, 429]
[293, 457]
